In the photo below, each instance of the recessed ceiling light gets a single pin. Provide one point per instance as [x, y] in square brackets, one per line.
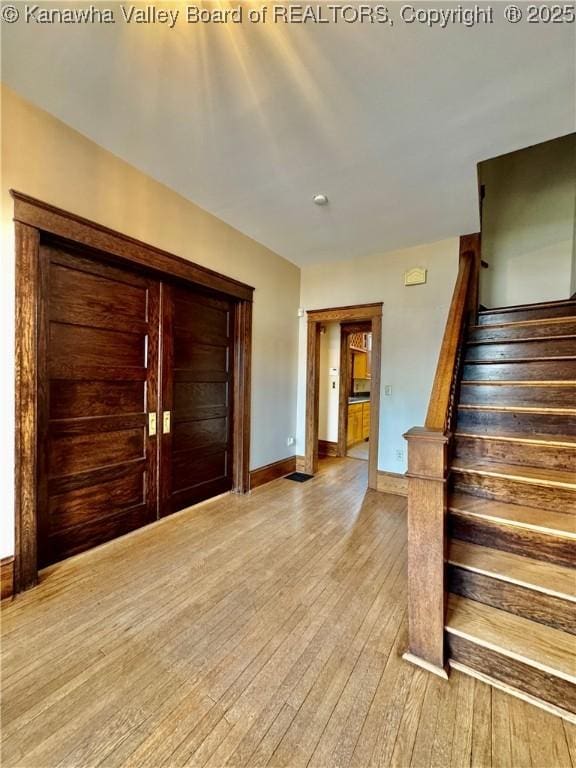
[320, 199]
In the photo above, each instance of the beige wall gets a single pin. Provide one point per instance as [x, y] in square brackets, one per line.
[528, 227]
[412, 326]
[44, 158]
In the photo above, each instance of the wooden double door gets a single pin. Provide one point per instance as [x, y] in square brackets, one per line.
[135, 399]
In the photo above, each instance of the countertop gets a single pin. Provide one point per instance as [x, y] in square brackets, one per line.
[360, 399]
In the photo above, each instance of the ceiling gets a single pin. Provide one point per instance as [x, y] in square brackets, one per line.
[250, 121]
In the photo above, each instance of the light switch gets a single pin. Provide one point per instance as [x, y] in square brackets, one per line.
[387, 390]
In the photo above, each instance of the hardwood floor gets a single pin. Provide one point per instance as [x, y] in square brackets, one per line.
[264, 630]
[359, 451]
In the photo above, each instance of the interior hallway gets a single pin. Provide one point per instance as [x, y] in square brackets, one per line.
[257, 630]
[359, 451]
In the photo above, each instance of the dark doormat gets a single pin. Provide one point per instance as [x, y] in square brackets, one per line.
[299, 477]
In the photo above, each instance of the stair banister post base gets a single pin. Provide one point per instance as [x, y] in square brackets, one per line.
[427, 511]
[439, 671]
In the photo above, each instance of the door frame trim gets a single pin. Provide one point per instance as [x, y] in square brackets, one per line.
[349, 314]
[34, 220]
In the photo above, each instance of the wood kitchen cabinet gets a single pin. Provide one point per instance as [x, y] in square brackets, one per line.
[358, 423]
[360, 365]
[365, 421]
[354, 434]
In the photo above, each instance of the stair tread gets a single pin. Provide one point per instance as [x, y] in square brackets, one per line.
[516, 408]
[528, 323]
[556, 580]
[535, 475]
[568, 441]
[523, 340]
[564, 383]
[513, 361]
[535, 305]
[537, 645]
[541, 520]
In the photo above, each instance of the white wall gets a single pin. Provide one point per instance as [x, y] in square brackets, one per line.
[43, 157]
[528, 227]
[329, 395]
[412, 326]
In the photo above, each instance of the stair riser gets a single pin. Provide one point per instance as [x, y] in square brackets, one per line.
[508, 538]
[537, 370]
[537, 330]
[521, 314]
[523, 677]
[523, 454]
[523, 396]
[515, 350]
[502, 422]
[514, 492]
[522, 601]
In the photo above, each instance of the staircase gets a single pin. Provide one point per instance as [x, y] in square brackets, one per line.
[511, 610]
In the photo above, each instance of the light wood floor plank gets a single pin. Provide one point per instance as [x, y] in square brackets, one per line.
[482, 726]
[519, 737]
[462, 737]
[445, 726]
[547, 747]
[570, 732]
[501, 746]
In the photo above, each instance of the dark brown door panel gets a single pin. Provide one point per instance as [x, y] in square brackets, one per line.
[71, 541]
[207, 322]
[200, 434]
[192, 468]
[76, 453]
[96, 301]
[91, 503]
[72, 345]
[194, 356]
[197, 386]
[99, 464]
[200, 400]
[75, 399]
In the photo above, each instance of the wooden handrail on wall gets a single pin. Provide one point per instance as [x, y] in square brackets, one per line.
[428, 468]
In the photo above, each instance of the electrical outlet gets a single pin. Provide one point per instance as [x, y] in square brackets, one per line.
[399, 453]
[290, 441]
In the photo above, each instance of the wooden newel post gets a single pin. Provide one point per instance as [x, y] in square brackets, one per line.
[427, 511]
[428, 469]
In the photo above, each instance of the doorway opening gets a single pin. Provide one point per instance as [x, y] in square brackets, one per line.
[358, 329]
[356, 354]
[345, 390]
